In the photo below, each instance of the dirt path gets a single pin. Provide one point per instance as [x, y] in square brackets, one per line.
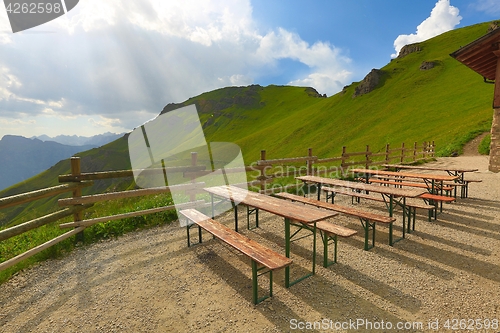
[470, 149]
[150, 281]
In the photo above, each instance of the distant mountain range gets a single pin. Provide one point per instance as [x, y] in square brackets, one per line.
[22, 158]
[75, 140]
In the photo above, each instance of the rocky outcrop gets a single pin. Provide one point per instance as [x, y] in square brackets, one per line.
[407, 49]
[369, 83]
[426, 65]
[246, 97]
[313, 92]
[494, 25]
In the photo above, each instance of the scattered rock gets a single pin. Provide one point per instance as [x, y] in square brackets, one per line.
[426, 65]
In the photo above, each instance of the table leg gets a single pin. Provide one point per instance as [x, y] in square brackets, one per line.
[235, 207]
[213, 209]
[287, 251]
[314, 249]
[288, 237]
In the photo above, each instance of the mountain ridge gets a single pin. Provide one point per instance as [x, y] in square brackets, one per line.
[23, 158]
[77, 140]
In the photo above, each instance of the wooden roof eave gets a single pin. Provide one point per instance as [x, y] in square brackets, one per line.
[478, 55]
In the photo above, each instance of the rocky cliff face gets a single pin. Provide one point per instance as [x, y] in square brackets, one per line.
[407, 49]
[369, 83]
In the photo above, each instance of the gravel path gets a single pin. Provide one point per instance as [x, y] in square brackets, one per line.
[150, 281]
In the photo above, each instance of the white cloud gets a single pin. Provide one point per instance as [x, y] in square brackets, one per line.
[443, 17]
[124, 60]
[491, 7]
[328, 66]
[105, 122]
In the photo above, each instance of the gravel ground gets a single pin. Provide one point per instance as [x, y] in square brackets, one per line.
[150, 281]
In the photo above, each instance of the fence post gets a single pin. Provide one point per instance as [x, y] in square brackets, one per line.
[78, 216]
[194, 161]
[415, 151]
[262, 171]
[424, 149]
[387, 154]
[367, 157]
[433, 149]
[402, 152]
[309, 163]
[342, 163]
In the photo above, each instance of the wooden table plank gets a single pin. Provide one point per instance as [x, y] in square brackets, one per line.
[270, 204]
[397, 192]
[419, 167]
[405, 174]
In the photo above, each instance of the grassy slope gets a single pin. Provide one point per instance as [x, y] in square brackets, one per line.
[441, 104]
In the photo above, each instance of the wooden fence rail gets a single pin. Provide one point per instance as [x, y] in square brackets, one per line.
[266, 175]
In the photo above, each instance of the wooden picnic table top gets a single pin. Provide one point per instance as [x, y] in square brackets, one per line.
[270, 204]
[406, 174]
[391, 191]
[420, 167]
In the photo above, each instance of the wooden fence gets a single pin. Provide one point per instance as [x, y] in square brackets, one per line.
[264, 173]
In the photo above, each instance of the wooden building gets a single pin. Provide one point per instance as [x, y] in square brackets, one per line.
[483, 56]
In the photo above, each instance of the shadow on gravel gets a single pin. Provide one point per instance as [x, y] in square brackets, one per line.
[93, 275]
[412, 262]
[472, 265]
[238, 277]
[483, 203]
[452, 243]
[456, 210]
[490, 230]
[329, 299]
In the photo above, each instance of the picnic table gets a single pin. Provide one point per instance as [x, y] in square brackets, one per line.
[460, 172]
[435, 182]
[451, 171]
[389, 194]
[308, 217]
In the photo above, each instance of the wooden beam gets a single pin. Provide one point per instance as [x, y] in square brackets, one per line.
[87, 223]
[39, 194]
[126, 194]
[38, 222]
[496, 98]
[11, 262]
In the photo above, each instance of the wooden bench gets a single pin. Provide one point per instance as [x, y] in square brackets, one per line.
[411, 204]
[367, 219]
[329, 232]
[259, 254]
[400, 183]
[465, 189]
[433, 199]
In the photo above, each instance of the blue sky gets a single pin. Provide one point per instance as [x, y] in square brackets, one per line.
[113, 65]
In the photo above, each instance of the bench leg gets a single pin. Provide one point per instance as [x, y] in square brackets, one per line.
[326, 238]
[414, 218]
[410, 215]
[188, 227]
[288, 237]
[368, 226]
[330, 196]
[255, 283]
[251, 211]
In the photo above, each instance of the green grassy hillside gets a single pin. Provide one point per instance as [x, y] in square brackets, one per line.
[449, 104]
